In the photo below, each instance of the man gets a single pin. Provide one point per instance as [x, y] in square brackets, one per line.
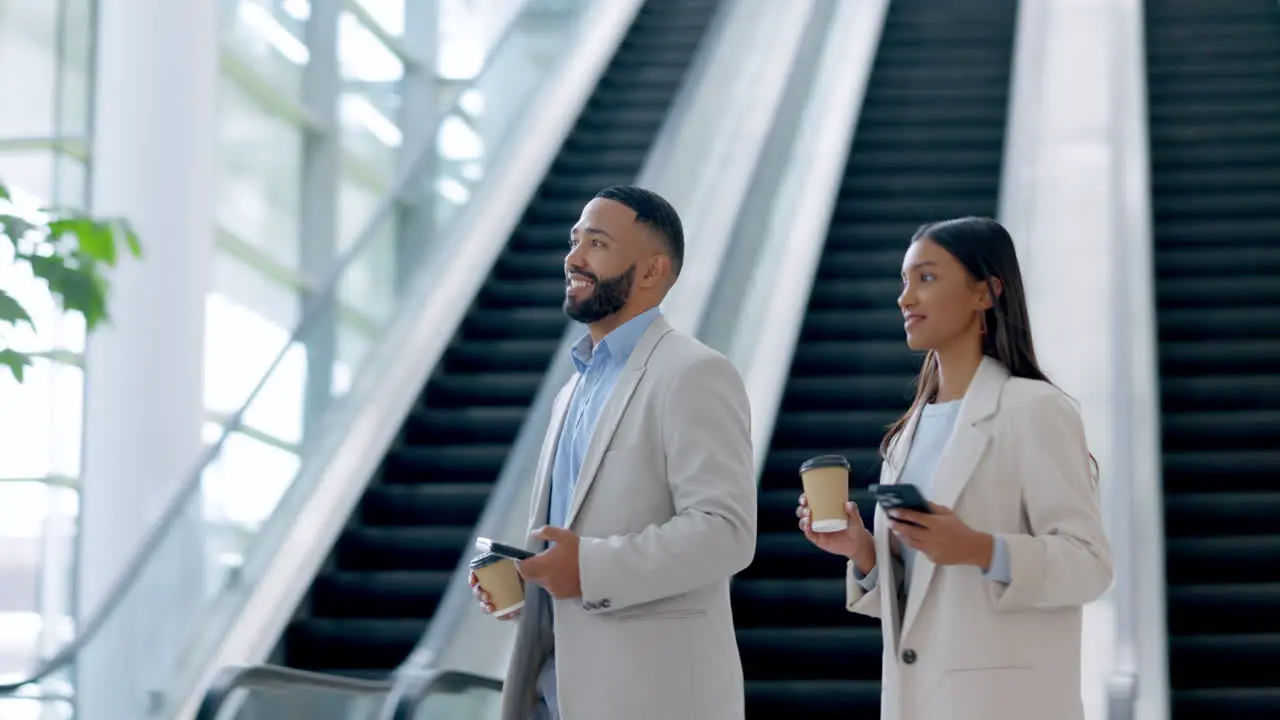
[644, 504]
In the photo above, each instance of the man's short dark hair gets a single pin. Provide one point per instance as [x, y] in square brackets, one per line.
[653, 210]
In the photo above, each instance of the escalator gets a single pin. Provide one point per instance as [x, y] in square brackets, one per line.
[1214, 104]
[928, 146]
[373, 599]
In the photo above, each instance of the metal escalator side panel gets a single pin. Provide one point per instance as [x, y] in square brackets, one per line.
[1075, 195]
[720, 141]
[1142, 640]
[791, 211]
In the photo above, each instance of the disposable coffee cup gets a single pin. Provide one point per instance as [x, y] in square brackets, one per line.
[826, 486]
[498, 577]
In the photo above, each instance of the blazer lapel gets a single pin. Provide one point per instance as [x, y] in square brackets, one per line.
[970, 436]
[890, 474]
[888, 582]
[960, 458]
[547, 458]
[613, 412]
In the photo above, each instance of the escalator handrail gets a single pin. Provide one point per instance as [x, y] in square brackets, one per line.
[1138, 686]
[314, 307]
[276, 677]
[801, 204]
[273, 677]
[266, 676]
[430, 680]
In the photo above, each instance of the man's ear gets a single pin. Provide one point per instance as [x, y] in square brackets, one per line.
[656, 270]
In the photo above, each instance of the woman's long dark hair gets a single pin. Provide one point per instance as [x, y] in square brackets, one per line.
[985, 250]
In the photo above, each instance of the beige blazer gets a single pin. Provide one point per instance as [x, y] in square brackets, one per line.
[966, 648]
[665, 505]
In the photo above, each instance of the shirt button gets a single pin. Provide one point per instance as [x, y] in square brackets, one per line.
[909, 656]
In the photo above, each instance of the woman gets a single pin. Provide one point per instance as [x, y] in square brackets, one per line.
[979, 600]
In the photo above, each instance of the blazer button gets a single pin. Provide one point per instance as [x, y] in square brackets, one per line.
[909, 656]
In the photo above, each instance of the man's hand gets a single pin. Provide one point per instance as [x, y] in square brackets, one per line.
[485, 600]
[943, 537]
[556, 568]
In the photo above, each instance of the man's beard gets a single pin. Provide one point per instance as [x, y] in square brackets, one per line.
[607, 297]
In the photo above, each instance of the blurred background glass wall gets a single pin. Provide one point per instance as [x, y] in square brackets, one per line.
[265, 125]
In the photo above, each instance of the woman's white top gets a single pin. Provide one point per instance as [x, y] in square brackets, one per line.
[937, 420]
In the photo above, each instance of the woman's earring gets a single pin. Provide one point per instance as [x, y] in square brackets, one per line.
[982, 322]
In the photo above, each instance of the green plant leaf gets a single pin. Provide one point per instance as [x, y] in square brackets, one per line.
[49, 268]
[95, 238]
[85, 292]
[130, 237]
[72, 254]
[14, 228]
[12, 311]
[16, 362]
[80, 287]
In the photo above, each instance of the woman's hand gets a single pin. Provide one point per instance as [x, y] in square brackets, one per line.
[942, 537]
[854, 542]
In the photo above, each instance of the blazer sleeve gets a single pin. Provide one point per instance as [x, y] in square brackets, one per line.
[706, 439]
[1066, 559]
[858, 598]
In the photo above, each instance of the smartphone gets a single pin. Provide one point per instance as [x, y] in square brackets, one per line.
[900, 497]
[507, 551]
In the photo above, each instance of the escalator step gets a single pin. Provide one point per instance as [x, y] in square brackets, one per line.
[1225, 608]
[393, 562]
[1192, 514]
[463, 425]
[1214, 104]
[356, 643]
[400, 593]
[928, 146]
[514, 322]
[482, 387]
[532, 263]
[437, 503]
[503, 356]
[419, 548]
